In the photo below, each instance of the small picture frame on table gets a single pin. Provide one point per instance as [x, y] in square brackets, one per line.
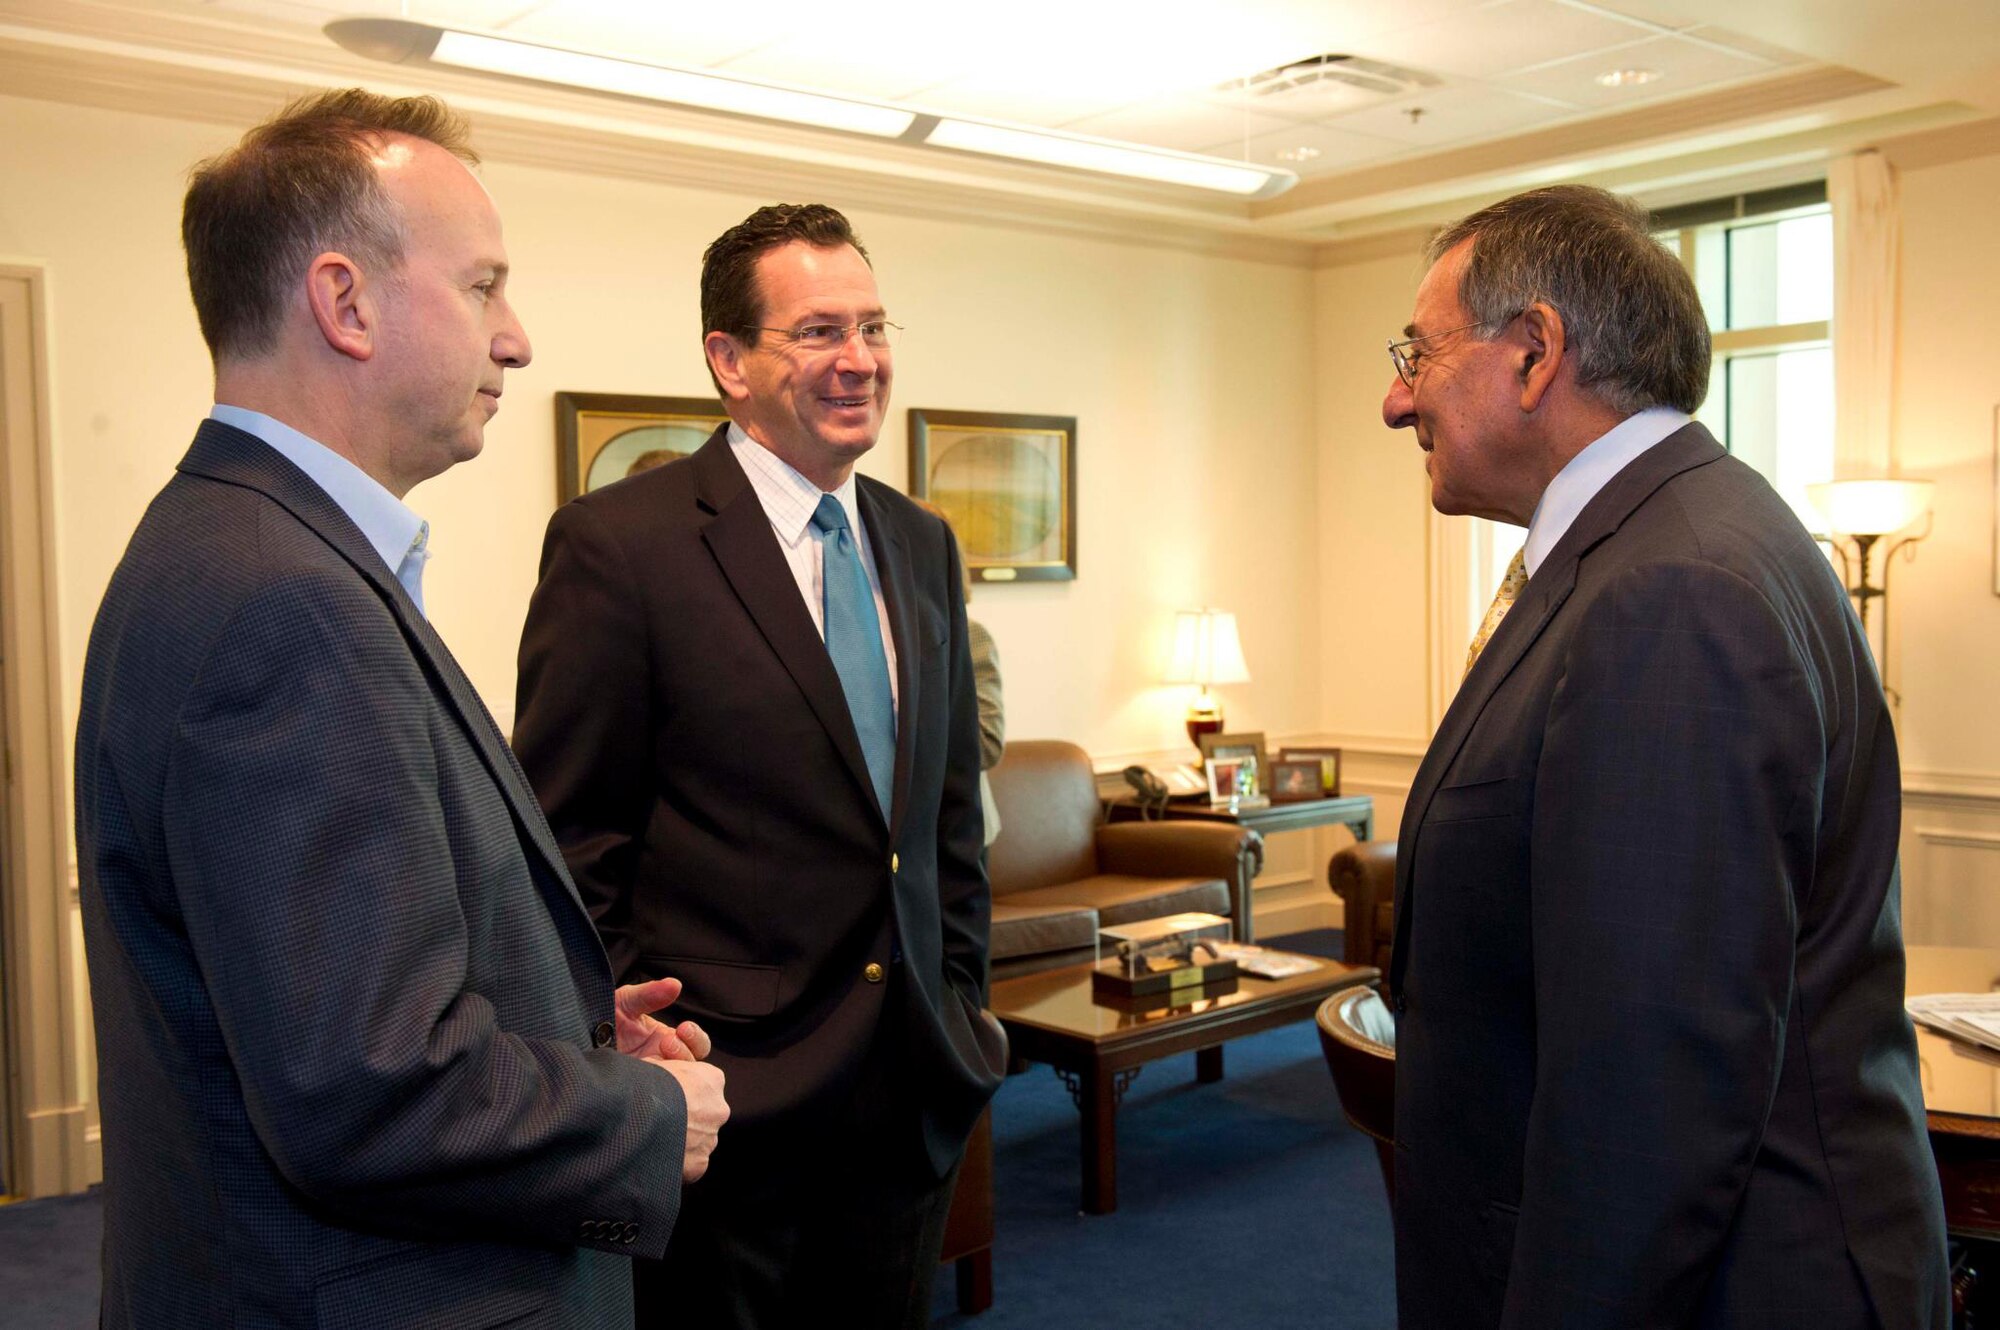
[1244, 783]
[1329, 766]
[1295, 782]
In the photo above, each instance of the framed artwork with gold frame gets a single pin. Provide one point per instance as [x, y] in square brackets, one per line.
[603, 437]
[1009, 484]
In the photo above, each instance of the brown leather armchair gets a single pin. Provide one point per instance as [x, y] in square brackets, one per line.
[1059, 871]
[1364, 877]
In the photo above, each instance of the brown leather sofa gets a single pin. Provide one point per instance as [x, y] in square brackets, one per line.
[1059, 872]
[1364, 877]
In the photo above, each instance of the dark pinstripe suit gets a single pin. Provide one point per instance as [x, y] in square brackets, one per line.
[345, 994]
[1652, 1062]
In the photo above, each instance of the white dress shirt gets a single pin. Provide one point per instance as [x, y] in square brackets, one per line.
[790, 500]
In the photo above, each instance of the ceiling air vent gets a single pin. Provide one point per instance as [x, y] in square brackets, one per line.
[1333, 79]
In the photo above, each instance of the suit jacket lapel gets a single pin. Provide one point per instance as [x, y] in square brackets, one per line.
[224, 453]
[899, 594]
[1545, 594]
[740, 538]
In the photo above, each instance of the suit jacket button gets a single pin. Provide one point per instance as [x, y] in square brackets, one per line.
[872, 972]
[602, 1034]
[895, 863]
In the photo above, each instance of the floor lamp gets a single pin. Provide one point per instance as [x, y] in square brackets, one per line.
[1859, 513]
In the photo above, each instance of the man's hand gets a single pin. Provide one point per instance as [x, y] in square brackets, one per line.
[643, 1037]
[707, 1110]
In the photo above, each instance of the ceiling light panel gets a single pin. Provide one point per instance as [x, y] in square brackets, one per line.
[548, 64]
[1098, 155]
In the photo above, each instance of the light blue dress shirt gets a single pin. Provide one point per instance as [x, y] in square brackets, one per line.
[400, 536]
[1590, 471]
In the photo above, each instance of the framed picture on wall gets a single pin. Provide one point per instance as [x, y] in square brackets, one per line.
[605, 437]
[1009, 484]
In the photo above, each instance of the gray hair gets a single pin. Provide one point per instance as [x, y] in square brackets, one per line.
[1632, 316]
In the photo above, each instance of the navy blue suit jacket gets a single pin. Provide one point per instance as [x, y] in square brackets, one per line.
[346, 997]
[1652, 1065]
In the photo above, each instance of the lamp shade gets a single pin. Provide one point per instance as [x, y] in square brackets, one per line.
[1206, 649]
[1870, 507]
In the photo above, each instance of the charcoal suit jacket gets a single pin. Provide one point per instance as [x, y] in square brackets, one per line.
[684, 726]
[350, 1011]
[1652, 1065]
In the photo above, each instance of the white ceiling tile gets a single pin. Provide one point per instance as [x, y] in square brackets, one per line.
[1736, 41]
[1025, 102]
[1496, 38]
[1336, 149]
[1683, 66]
[861, 68]
[1182, 123]
[1452, 115]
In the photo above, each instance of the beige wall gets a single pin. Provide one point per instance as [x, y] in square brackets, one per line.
[1190, 377]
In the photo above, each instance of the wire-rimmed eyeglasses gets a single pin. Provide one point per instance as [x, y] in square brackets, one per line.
[1406, 362]
[876, 334]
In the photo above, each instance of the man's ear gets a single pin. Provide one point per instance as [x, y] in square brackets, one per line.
[725, 360]
[1545, 342]
[343, 307]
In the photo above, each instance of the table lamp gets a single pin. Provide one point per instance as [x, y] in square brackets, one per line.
[1206, 651]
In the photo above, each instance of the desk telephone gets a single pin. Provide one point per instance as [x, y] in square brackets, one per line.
[1153, 790]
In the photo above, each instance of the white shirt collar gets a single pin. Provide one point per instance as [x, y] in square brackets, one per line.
[385, 521]
[789, 499]
[1590, 471]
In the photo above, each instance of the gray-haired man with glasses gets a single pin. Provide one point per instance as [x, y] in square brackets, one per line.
[1652, 1065]
[746, 702]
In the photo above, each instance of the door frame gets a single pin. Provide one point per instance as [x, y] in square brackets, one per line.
[51, 1118]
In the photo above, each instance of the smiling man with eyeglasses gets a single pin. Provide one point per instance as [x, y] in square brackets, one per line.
[746, 701]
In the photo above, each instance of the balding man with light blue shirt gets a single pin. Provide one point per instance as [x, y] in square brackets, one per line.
[361, 1059]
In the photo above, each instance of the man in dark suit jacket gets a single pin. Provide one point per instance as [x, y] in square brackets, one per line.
[747, 702]
[355, 1032]
[1652, 1066]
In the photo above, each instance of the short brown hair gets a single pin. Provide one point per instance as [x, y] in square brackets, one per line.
[730, 300]
[1630, 310]
[298, 185]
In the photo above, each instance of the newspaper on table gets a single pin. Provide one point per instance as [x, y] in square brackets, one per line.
[1971, 1017]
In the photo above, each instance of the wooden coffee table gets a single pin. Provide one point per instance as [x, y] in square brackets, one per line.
[1098, 1049]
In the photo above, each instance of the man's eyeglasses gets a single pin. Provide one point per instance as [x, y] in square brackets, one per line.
[876, 334]
[1406, 360]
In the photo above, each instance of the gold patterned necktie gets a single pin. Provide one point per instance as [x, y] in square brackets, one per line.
[1503, 600]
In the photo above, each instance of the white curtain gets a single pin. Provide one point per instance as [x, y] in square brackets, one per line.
[1867, 229]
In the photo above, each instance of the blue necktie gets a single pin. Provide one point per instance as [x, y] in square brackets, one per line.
[854, 640]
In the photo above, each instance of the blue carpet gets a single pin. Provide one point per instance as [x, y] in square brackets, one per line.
[48, 1262]
[1249, 1203]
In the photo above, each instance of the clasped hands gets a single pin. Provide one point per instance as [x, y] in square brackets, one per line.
[677, 1050]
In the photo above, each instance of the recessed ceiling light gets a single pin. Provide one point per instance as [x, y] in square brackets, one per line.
[1299, 154]
[1628, 78]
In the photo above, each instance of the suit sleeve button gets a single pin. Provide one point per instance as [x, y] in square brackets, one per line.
[872, 972]
[602, 1034]
[630, 1234]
